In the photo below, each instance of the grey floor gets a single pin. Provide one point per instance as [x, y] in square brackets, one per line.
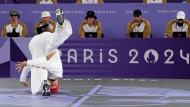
[100, 93]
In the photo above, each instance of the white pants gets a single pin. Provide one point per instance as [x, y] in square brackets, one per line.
[38, 75]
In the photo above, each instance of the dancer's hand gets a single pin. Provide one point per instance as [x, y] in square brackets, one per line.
[20, 65]
[25, 84]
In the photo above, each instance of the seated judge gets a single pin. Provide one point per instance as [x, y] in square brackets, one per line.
[15, 26]
[91, 24]
[180, 24]
[139, 25]
[46, 20]
[188, 1]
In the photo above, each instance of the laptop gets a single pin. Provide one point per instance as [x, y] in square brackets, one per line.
[179, 34]
[41, 29]
[136, 34]
[13, 34]
[91, 34]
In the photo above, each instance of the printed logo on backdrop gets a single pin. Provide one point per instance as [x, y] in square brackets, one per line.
[168, 11]
[7, 12]
[151, 56]
[39, 12]
[131, 11]
[105, 11]
[78, 12]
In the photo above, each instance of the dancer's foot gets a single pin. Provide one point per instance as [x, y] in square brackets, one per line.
[60, 16]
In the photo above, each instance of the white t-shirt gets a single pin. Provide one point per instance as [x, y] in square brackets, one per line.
[176, 28]
[139, 28]
[46, 2]
[18, 29]
[90, 29]
[89, 1]
[154, 1]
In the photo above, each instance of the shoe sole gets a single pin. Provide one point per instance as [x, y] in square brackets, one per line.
[60, 19]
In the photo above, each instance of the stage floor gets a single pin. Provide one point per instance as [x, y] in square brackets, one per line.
[100, 93]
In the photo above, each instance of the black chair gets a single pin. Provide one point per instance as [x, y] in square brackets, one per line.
[151, 35]
[102, 35]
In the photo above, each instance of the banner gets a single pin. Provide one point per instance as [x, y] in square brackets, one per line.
[113, 58]
[4, 57]
[113, 17]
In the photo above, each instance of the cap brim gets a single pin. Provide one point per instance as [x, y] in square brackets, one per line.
[45, 16]
[91, 16]
[136, 14]
[180, 18]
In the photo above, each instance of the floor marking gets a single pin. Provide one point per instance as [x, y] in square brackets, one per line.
[115, 79]
[142, 79]
[83, 99]
[78, 79]
[97, 79]
[153, 80]
[67, 79]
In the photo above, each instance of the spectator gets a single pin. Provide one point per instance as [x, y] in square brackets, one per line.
[154, 1]
[45, 20]
[180, 24]
[90, 2]
[139, 25]
[90, 25]
[46, 2]
[15, 26]
[188, 1]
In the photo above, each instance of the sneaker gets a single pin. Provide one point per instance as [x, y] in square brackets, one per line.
[46, 89]
[60, 16]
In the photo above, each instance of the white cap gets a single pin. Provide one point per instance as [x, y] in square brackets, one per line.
[180, 15]
[45, 14]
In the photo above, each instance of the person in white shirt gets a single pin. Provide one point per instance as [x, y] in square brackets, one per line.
[91, 24]
[90, 2]
[138, 24]
[15, 26]
[46, 2]
[46, 20]
[42, 45]
[154, 1]
[180, 24]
